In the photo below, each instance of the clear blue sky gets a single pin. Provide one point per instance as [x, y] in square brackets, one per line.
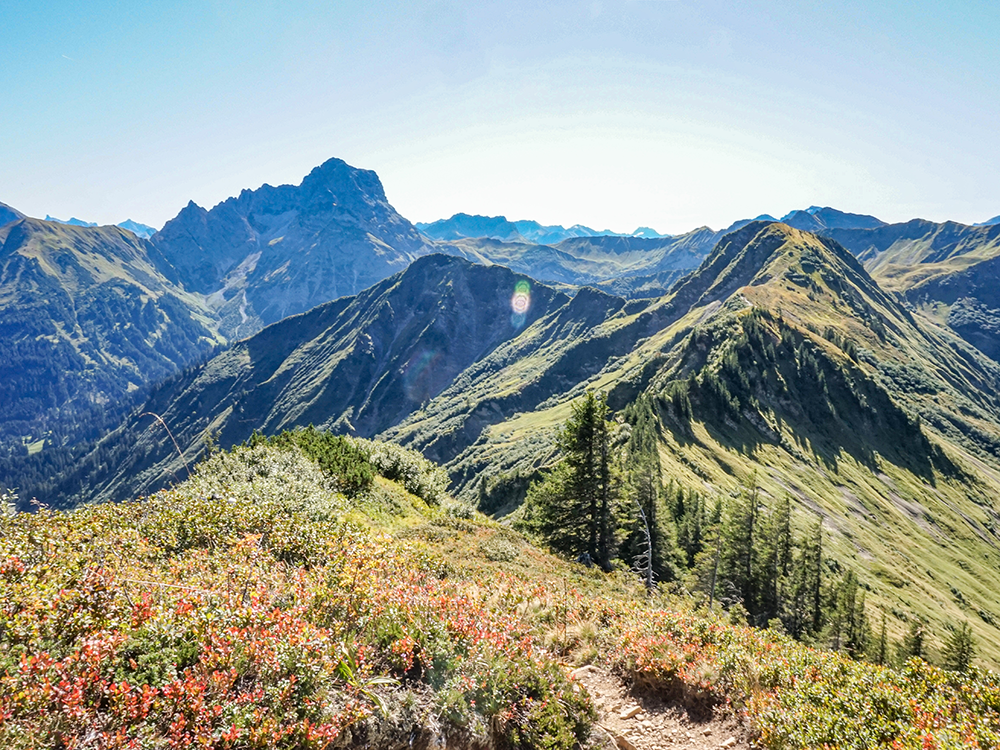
[611, 113]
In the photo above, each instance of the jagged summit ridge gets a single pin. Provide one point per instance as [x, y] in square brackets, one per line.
[337, 225]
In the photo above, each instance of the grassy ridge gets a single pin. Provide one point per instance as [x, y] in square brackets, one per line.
[257, 606]
[879, 422]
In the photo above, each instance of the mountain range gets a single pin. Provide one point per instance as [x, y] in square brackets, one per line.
[88, 320]
[279, 251]
[779, 355]
[269, 253]
[139, 230]
[72, 221]
[464, 226]
[92, 316]
[847, 363]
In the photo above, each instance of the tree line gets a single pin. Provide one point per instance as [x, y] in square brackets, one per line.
[605, 503]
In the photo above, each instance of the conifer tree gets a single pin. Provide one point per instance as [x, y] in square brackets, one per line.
[879, 651]
[575, 506]
[772, 561]
[812, 564]
[704, 575]
[781, 528]
[689, 512]
[802, 609]
[651, 545]
[914, 642]
[849, 630]
[736, 558]
[959, 649]
[551, 512]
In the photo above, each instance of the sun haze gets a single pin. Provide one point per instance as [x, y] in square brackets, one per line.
[610, 113]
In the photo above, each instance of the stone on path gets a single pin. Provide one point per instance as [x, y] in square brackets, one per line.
[630, 712]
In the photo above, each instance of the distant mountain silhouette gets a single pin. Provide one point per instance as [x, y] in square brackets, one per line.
[465, 226]
[73, 222]
[139, 230]
[816, 219]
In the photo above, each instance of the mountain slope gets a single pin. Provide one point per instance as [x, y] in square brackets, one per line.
[286, 601]
[357, 365]
[9, 214]
[86, 318]
[93, 315]
[950, 271]
[899, 252]
[782, 359]
[632, 267]
[824, 291]
[279, 251]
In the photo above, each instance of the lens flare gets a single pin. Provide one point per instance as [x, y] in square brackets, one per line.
[521, 300]
[418, 375]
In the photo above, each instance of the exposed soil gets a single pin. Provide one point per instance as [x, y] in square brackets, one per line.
[633, 721]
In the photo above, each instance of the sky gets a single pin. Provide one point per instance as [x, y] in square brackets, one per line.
[615, 114]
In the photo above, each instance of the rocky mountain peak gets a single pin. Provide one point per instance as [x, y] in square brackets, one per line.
[815, 218]
[346, 184]
[337, 224]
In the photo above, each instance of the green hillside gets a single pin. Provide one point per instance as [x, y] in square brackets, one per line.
[91, 316]
[781, 356]
[87, 318]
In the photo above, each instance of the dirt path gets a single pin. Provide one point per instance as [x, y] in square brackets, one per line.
[632, 722]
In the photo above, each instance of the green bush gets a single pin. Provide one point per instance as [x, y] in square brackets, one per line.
[423, 478]
[338, 456]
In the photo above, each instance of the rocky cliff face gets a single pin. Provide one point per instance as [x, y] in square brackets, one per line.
[279, 251]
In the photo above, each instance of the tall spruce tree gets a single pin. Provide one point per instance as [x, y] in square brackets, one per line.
[575, 506]
[704, 572]
[879, 648]
[735, 581]
[959, 649]
[849, 630]
[772, 560]
[651, 544]
[690, 513]
[914, 643]
[802, 608]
